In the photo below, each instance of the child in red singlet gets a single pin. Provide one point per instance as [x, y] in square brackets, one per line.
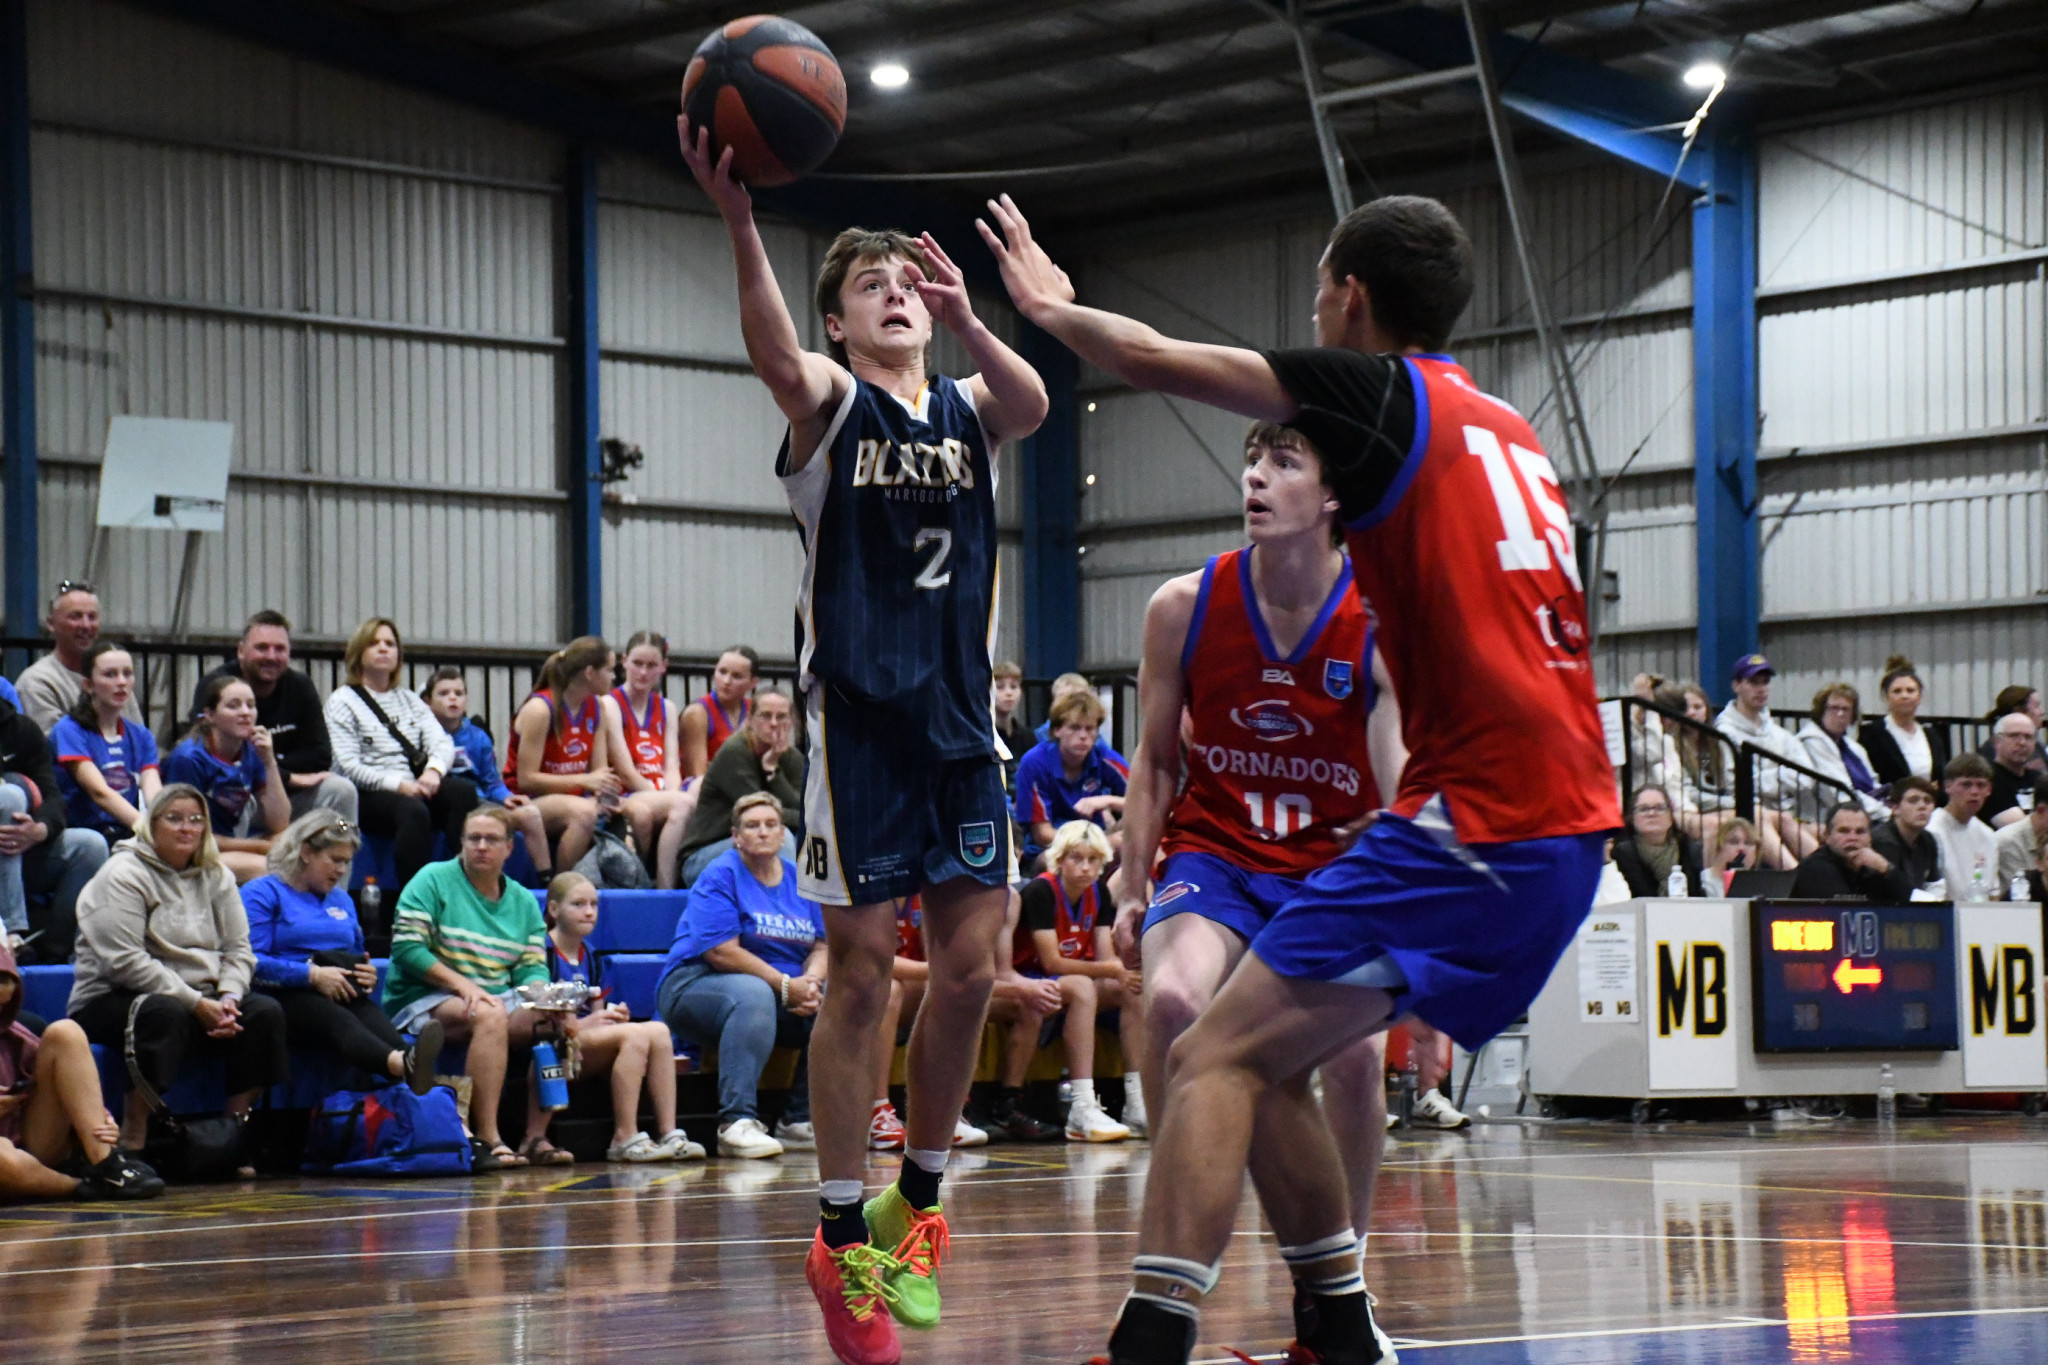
[708, 722]
[645, 745]
[560, 754]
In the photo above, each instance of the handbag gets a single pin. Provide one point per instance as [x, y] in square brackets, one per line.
[612, 865]
[183, 1149]
[387, 1132]
[414, 757]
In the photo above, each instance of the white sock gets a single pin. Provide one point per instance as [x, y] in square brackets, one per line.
[840, 1191]
[1083, 1091]
[933, 1162]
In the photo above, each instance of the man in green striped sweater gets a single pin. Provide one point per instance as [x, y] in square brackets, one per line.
[466, 937]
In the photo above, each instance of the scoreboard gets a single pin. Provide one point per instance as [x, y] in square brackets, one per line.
[1849, 977]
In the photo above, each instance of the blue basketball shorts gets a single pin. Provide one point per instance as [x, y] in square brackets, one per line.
[1462, 935]
[1203, 884]
[886, 816]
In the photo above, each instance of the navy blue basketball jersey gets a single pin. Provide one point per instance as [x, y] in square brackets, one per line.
[897, 605]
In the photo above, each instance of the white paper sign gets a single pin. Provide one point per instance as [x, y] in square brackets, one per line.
[166, 473]
[1610, 721]
[1607, 969]
[1999, 996]
[1690, 994]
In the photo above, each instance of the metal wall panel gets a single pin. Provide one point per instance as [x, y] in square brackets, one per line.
[667, 280]
[703, 586]
[1153, 456]
[1635, 383]
[1119, 576]
[445, 570]
[425, 413]
[1929, 185]
[1963, 657]
[710, 437]
[1672, 655]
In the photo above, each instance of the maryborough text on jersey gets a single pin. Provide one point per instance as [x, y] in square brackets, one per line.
[1321, 772]
[913, 464]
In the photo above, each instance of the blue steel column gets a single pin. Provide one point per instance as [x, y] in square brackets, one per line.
[17, 331]
[586, 491]
[1725, 407]
[1052, 505]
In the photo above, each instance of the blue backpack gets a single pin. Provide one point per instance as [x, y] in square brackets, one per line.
[387, 1132]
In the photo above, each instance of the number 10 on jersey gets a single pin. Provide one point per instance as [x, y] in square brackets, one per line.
[1290, 813]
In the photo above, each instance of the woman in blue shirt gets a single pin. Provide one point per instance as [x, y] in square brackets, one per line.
[106, 763]
[746, 974]
[229, 758]
[309, 954]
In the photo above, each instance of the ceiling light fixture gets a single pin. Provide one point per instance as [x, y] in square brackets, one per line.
[890, 76]
[1706, 76]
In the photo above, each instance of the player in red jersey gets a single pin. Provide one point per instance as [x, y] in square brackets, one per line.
[1456, 904]
[1268, 730]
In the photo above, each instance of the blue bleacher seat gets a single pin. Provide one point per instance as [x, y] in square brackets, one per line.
[637, 921]
[374, 859]
[632, 979]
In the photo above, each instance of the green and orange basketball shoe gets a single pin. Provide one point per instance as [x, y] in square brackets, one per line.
[917, 1241]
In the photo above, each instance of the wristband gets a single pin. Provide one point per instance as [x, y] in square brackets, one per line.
[785, 990]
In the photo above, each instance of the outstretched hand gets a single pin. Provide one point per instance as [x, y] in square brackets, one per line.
[714, 174]
[944, 288]
[1034, 282]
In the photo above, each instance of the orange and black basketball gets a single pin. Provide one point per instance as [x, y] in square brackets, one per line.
[771, 90]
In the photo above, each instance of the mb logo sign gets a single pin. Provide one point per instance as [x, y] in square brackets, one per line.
[1692, 984]
[2002, 988]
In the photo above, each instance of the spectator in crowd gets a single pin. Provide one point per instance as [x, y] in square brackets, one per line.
[2020, 844]
[51, 1113]
[1006, 697]
[1061, 935]
[1834, 752]
[746, 975]
[309, 954]
[1066, 684]
[396, 753]
[1898, 745]
[2013, 771]
[288, 705]
[229, 758]
[1065, 777]
[1695, 769]
[466, 938]
[107, 764]
[2026, 701]
[1969, 850]
[1847, 867]
[609, 1043]
[708, 722]
[646, 748]
[1904, 839]
[559, 753]
[1747, 720]
[756, 759]
[161, 923]
[50, 686]
[1655, 847]
[1735, 846]
[476, 759]
[43, 864]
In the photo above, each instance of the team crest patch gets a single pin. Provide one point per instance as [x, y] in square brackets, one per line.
[1337, 677]
[978, 843]
[1172, 892]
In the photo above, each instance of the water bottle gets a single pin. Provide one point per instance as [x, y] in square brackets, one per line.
[370, 905]
[551, 1077]
[1675, 885]
[2019, 890]
[1887, 1095]
[1980, 889]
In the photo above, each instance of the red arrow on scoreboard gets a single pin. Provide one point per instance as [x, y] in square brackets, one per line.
[1848, 976]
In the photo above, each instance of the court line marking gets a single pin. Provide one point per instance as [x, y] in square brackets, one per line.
[1835, 1190]
[1417, 1344]
[1786, 1147]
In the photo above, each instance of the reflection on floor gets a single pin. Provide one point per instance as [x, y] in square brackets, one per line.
[1551, 1243]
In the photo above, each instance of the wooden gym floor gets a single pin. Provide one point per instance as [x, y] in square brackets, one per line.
[1552, 1243]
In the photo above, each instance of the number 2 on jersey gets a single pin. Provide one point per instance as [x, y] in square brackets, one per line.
[1286, 805]
[1522, 549]
[930, 577]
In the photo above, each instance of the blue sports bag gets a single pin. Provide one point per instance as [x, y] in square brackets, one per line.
[387, 1132]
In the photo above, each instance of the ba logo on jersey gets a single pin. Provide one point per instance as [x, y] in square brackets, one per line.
[1272, 721]
[1337, 675]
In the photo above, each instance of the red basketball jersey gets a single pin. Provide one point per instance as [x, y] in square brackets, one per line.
[1468, 566]
[646, 740]
[572, 740]
[1075, 927]
[1277, 753]
[718, 726]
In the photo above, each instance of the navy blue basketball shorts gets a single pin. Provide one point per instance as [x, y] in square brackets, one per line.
[885, 816]
[1195, 883]
[1462, 935]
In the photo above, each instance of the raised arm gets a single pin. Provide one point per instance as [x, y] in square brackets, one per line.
[805, 385]
[1156, 766]
[1228, 377]
[1007, 392]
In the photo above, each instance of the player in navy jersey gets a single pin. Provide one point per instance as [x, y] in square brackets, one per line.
[891, 474]
[1268, 733]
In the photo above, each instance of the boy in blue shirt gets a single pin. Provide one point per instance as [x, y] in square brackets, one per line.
[447, 696]
[1068, 776]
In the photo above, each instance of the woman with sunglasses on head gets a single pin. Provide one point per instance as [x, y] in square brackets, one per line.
[309, 954]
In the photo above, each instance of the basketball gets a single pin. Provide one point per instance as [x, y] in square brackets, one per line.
[771, 90]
